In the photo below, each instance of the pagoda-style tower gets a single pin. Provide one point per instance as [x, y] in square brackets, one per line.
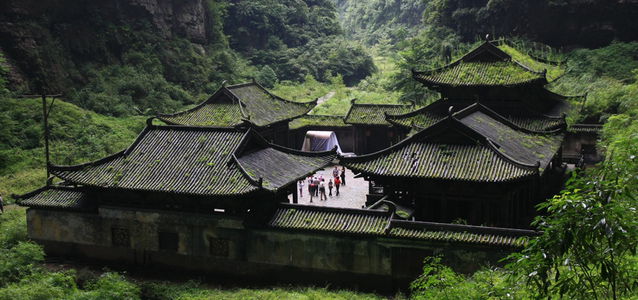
[486, 152]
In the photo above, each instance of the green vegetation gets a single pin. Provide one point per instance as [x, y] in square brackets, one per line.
[373, 89]
[553, 72]
[76, 136]
[607, 75]
[151, 80]
[122, 69]
[380, 21]
[296, 39]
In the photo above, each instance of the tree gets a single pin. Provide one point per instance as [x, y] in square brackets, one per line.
[267, 77]
[590, 235]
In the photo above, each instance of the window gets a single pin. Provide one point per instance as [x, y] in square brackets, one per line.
[218, 247]
[168, 241]
[120, 237]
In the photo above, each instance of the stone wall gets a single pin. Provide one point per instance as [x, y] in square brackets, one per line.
[221, 245]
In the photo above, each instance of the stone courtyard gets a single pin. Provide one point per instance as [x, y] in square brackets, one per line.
[351, 195]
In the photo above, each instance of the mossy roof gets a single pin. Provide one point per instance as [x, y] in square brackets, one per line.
[366, 222]
[438, 110]
[196, 160]
[57, 197]
[318, 121]
[231, 105]
[525, 147]
[486, 65]
[554, 70]
[474, 144]
[373, 114]
[278, 168]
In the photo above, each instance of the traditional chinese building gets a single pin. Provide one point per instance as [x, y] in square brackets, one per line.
[372, 132]
[211, 191]
[474, 165]
[209, 199]
[232, 106]
[486, 153]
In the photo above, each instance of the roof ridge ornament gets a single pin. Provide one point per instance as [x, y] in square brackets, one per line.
[224, 83]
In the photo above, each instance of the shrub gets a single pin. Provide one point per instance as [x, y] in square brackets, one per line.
[110, 286]
[13, 228]
[267, 77]
[19, 261]
[40, 286]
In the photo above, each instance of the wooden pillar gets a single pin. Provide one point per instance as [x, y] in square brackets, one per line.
[295, 194]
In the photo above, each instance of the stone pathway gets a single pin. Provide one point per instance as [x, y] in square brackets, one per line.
[352, 195]
[323, 99]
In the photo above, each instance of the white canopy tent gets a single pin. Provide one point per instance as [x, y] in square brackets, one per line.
[320, 141]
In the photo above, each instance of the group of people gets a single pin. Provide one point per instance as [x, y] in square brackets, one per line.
[317, 184]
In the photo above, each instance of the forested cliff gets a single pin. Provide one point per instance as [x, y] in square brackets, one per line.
[560, 23]
[169, 51]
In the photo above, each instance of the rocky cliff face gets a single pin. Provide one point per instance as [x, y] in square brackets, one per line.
[184, 18]
[44, 40]
[569, 23]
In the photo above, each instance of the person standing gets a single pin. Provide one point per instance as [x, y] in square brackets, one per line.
[330, 187]
[343, 175]
[337, 184]
[1, 205]
[300, 188]
[315, 183]
[335, 172]
[311, 189]
[322, 191]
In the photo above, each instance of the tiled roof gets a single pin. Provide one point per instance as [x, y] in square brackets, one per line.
[278, 167]
[438, 110]
[382, 224]
[192, 160]
[52, 197]
[423, 159]
[463, 73]
[460, 233]
[230, 105]
[524, 147]
[317, 121]
[474, 144]
[554, 69]
[209, 114]
[586, 128]
[373, 114]
[487, 65]
[330, 219]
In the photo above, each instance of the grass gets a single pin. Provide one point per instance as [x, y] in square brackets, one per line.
[374, 89]
[194, 291]
[553, 72]
[77, 136]
[308, 90]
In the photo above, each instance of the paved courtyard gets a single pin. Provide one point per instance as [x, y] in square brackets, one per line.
[351, 195]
